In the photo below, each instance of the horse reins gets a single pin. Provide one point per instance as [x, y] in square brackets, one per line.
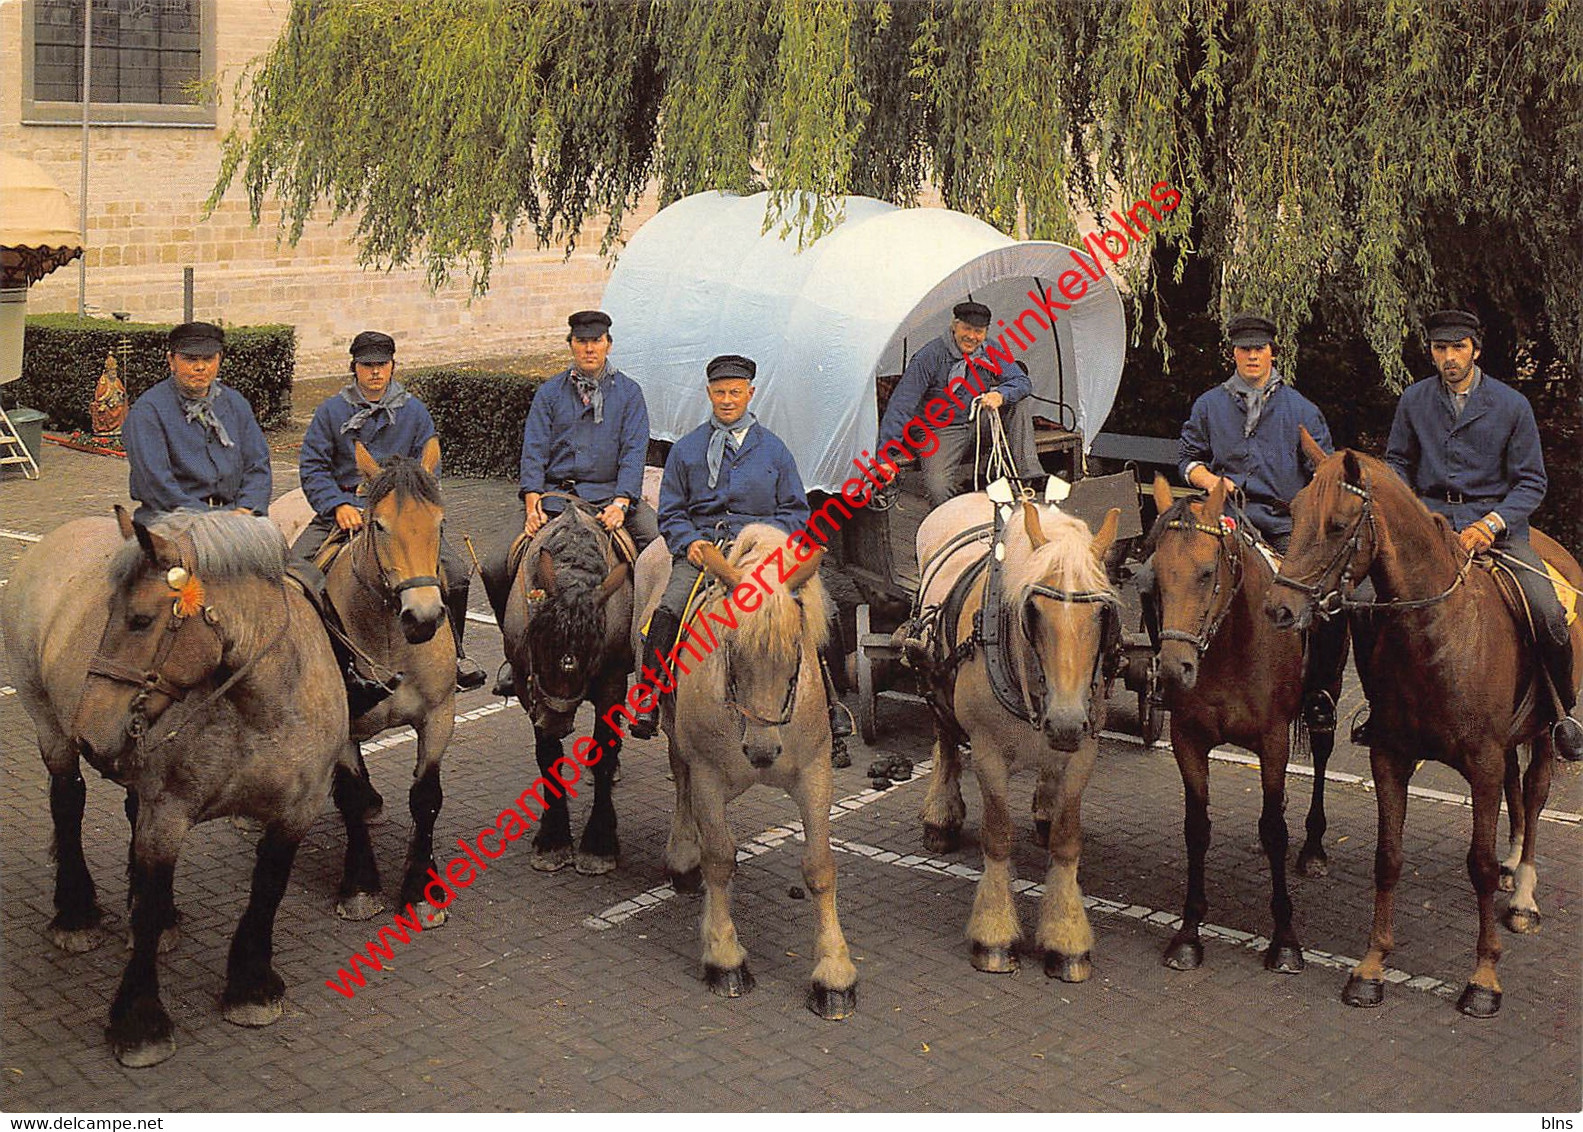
[392, 591]
[787, 704]
[1068, 597]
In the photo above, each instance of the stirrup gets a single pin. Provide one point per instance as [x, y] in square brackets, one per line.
[505, 681]
[1319, 712]
[646, 724]
[363, 694]
[468, 674]
[1363, 728]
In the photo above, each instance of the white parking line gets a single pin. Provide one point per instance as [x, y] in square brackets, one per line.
[20, 536]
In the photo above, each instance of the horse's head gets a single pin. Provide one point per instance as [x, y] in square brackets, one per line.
[772, 652]
[398, 551]
[1066, 611]
[1195, 572]
[1334, 537]
[567, 639]
[165, 634]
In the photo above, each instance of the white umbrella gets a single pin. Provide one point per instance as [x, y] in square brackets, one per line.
[37, 234]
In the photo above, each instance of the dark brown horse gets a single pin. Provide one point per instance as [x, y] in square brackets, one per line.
[1229, 676]
[1445, 672]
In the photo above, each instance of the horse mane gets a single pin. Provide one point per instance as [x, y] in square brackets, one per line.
[404, 476]
[785, 619]
[571, 619]
[1066, 554]
[224, 545]
[1331, 474]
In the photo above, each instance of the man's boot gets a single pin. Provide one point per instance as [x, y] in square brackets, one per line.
[657, 645]
[1327, 656]
[468, 674]
[840, 721]
[363, 693]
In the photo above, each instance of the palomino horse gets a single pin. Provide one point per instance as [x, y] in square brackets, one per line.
[1055, 582]
[750, 709]
[1229, 676]
[210, 690]
[565, 631]
[1445, 673]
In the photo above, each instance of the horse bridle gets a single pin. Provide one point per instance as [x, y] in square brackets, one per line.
[1108, 614]
[787, 704]
[1209, 624]
[392, 591]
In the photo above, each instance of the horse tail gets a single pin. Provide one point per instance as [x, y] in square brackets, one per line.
[1302, 747]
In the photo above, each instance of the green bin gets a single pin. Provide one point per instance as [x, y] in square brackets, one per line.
[29, 425]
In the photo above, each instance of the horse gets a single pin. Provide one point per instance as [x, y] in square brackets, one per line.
[1229, 676]
[210, 690]
[750, 709]
[1064, 610]
[1445, 672]
[565, 631]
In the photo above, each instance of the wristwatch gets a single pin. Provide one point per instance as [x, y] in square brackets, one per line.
[624, 504]
[1489, 525]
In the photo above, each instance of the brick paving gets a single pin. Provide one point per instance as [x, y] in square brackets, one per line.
[518, 1004]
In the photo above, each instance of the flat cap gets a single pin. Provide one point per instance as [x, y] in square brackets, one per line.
[373, 347]
[1453, 326]
[196, 338]
[731, 365]
[589, 324]
[974, 314]
[1250, 330]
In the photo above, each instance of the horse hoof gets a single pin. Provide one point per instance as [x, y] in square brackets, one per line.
[551, 860]
[142, 1035]
[690, 883]
[840, 757]
[375, 814]
[143, 1054]
[1284, 959]
[1068, 968]
[1184, 955]
[1508, 881]
[831, 1004]
[728, 982]
[253, 1014]
[994, 960]
[1041, 831]
[1523, 921]
[430, 916]
[1479, 1002]
[941, 838]
[360, 906]
[593, 865]
[244, 824]
[76, 942]
[1314, 865]
[1363, 992]
[168, 940]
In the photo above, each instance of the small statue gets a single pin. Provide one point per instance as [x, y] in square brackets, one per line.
[108, 408]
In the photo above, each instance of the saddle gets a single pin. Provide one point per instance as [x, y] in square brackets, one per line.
[1511, 592]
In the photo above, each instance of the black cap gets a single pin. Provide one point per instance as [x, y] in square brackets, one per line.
[373, 347]
[1453, 326]
[196, 338]
[731, 365]
[1250, 330]
[974, 314]
[589, 324]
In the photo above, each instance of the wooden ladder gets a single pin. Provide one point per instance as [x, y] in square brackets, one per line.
[12, 450]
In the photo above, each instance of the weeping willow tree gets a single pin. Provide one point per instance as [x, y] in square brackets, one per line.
[1356, 161]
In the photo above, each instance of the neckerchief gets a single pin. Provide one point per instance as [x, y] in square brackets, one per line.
[395, 397]
[591, 390]
[1459, 401]
[201, 409]
[1250, 399]
[722, 435]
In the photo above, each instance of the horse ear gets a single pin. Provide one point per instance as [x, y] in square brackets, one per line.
[1216, 504]
[1350, 465]
[1107, 533]
[544, 573]
[430, 458]
[1310, 447]
[1030, 522]
[161, 552]
[123, 519]
[716, 564]
[1163, 500]
[613, 581]
[805, 570]
[367, 466]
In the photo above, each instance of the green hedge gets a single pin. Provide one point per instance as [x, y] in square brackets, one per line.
[63, 356]
[478, 415]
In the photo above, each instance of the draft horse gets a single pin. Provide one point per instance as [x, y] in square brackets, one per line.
[1063, 611]
[210, 690]
[1447, 677]
[749, 709]
[1229, 676]
[566, 627]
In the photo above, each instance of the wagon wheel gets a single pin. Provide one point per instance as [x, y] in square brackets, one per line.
[1151, 717]
[867, 723]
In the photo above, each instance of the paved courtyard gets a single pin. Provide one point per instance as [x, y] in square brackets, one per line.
[556, 991]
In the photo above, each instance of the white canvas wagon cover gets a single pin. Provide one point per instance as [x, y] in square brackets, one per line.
[703, 278]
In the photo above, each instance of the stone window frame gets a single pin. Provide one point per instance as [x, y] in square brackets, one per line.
[36, 112]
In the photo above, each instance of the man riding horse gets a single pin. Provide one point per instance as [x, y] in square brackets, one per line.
[1468, 446]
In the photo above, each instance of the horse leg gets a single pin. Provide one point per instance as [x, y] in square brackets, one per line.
[1366, 984]
[140, 1032]
[833, 992]
[373, 801]
[1185, 952]
[600, 849]
[1522, 912]
[1515, 817]
[358, 898]
[682, 854]
[943, 809]
[255, 994]
[725, 959]
[169, 935]
[1065, 935]
[552, 845]
[993, 926]
[75, 927]
[1481, 998]
[1311, 858]
[1043, 791]
[424, 799]
[1285, 954]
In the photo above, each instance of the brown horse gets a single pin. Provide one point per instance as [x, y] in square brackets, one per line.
[1445, 672]
[211, 690]
[1055, 578]
[1229, 676]
[750, 709]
